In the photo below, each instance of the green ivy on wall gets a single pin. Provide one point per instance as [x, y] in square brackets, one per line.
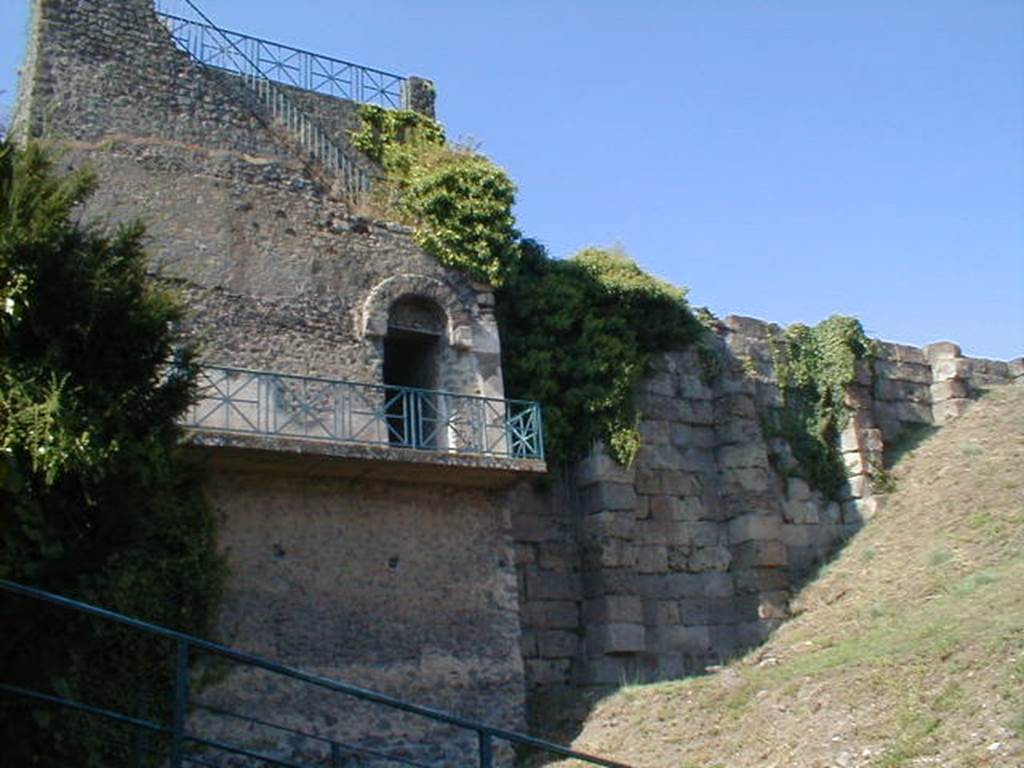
[577, 334]
[814, 366]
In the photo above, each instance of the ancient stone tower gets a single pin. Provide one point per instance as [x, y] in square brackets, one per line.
[376, 490]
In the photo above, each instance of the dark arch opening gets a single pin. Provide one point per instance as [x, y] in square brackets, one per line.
[412, 349]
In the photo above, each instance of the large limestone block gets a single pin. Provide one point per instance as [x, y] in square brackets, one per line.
[614, 609]
[552, 614]
[555, 644]
[801, 512]
[617, 637]
[759, 554]
[599, 467]
[941, 350]
[904, 371]
[608, 497]
[742, 456]
[711, 558]
[753, 526]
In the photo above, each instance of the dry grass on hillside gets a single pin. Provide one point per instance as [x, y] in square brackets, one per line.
[908, 650]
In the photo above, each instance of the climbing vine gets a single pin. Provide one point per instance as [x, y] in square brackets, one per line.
[458, 202]
[814, 366]
[578, 334]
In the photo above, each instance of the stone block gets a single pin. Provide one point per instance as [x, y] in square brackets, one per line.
[690, 436]
[555, 556]
[670, 586]
[800, 512]
[556, 644]
[832, 514]
[604, 497]
[917, 372]
[750, 479]
[797, 489]
[773, 605]
[692, 387]
[648, 481]
[536, 528]
[654, 432]
[610, 670]
[754, 526]
[739, 431]
[761, 579]
[723, 639]
[690, 509]
[717, 584]
[558, 614]
[759, 554]
[666, 612]
[956, 368]
[548, 585]
[614, 609]
[860, 511]
[901, 353]
[599, 467]
[677, 638]
[713, 558]
[949, 389]
[890, 389]
[528, 644]
[699, 412]
[941, 350]
[801, 535]
[856, 487]
[735, 406]
[619, 524]
[681, 483]
[525, 554]
[702, 534]
[615, 638]
[664, 507]
[652, 559]
[662, 383]
[547, 671]
[742, 456]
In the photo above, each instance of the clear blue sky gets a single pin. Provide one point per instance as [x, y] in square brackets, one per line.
[786, 160]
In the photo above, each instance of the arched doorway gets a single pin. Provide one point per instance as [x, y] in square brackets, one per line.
[412, 352]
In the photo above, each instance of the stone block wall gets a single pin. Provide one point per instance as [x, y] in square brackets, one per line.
[690, 556]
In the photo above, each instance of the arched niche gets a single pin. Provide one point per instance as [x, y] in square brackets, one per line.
[376, 309]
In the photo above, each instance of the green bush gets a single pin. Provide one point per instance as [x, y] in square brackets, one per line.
[577, 335]
[98, 503]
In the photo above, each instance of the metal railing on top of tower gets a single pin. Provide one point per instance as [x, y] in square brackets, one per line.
[281, 63]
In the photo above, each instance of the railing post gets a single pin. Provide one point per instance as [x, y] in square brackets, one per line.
[486, 750]
[180, 704]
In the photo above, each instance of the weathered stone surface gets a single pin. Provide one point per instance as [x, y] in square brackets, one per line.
[614, 609]
[801, 512]
[548, 585]
[712, 558]
[599, 467]
[940, 350]
[554, 644]
[615, 638]
[753, 526]
[608, 497]
[760, 554]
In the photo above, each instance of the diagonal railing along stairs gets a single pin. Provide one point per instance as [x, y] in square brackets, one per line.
[187, 24]
[196, 733]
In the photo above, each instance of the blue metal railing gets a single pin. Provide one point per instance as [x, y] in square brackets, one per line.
[190, 748]
[246, 55]
[244, 401]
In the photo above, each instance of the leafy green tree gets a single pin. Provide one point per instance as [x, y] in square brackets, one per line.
[97, 500]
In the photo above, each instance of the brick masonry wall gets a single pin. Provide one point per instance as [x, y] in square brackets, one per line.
[689, 556]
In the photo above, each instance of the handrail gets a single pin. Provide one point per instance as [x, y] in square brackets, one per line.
[486, 734]
[302, 129]
[242, 400]
[305, 69]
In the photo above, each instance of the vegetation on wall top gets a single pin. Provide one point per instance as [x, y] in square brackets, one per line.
[577, 334]
[97, 502]
[814, 366]
[458, 201]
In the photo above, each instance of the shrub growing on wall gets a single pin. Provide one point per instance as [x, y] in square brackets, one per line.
[814, 366]
[458, 201]
[97, 502]
[577, 335]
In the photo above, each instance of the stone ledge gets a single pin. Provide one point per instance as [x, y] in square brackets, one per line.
[296, 456]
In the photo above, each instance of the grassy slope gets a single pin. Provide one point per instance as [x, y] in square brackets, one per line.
[908, 650]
